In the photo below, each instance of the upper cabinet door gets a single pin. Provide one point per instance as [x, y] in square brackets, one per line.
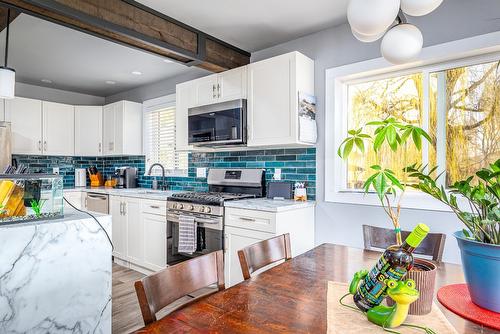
[269, 102]
[109, 115]
[206, 90]
[232, 84]
[58, 129]
[26, 118]
[88, 131]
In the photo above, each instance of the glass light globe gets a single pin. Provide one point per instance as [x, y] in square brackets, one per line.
[419, 7]
[402, 43]
[372, 17]
[367, 38]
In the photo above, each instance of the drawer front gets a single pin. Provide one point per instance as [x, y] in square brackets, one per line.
[251, 219]
[154, 207]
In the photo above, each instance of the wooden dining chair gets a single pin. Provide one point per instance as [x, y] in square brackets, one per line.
[160, 289]
[263, 253]
[377, 238]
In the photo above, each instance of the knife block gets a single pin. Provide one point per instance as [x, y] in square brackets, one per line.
[96, 180]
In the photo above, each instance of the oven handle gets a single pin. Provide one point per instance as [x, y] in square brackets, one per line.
[175, 218]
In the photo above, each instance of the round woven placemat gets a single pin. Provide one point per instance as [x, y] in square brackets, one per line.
[456, 298]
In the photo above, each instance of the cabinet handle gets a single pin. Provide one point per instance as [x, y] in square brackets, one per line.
[124, 208]
[86, 202]
[45, 145]
[218, 90]
[121, 208]
[40, 145]
[154, 206]
[100, 147]
[226, 247]
[247, 219]
[213, 91]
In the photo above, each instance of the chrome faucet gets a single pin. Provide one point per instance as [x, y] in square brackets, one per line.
[163, 182]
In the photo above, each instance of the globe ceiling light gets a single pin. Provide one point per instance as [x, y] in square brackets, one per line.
[419, 7]
[372, 17]
[402, 43]
[367, 38]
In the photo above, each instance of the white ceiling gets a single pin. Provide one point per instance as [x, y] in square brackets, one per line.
[254, 24]
[79, 62]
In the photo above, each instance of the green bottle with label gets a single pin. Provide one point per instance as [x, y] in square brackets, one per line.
[393, 264]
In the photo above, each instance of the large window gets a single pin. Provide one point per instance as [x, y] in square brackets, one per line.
[159, 137]
[456, 99]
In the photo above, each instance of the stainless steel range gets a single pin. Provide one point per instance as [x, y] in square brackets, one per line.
[207, 209]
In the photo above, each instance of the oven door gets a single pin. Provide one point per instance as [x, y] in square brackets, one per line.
[209, 237]
[218, 124]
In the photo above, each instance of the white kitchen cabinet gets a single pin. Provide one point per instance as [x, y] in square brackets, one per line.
[25, 116]
[236, 239]
[155, 241]
[122, 128]
[135, 230]
[75, 198]
[58, 129]
[273, 93]
[205, 90]
[88, 131]
[119, 227]
[244, 227]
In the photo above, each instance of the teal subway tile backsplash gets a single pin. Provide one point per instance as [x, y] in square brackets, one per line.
[297, 164]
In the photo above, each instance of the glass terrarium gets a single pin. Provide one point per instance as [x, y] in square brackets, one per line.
[30, 197]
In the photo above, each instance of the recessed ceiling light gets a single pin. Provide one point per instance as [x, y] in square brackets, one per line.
[110, 82]
[136, 73]
[167, 60]
[46, 81]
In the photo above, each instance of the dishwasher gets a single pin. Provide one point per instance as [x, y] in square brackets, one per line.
[96, 202]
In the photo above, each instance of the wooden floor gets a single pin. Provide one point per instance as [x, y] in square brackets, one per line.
[126, 312]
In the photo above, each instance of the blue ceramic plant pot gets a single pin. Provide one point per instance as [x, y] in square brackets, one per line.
[481, 265]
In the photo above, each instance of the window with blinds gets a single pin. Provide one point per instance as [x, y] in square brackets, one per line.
[159, 128]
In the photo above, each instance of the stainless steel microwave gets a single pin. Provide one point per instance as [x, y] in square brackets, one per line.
[217, 124]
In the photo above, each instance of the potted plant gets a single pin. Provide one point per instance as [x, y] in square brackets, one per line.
[479, 242]
[390, 187]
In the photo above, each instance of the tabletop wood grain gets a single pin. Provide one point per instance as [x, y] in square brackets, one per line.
[290, 298]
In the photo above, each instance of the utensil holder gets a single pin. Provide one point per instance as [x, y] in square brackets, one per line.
[96, 180]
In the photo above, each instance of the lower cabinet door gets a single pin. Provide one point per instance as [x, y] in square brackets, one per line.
[155, 241]
[119, 227]
[135, 231]
[236, 239]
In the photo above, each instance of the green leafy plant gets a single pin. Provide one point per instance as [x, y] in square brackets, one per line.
[396, 134]
[2, 210]
[481, 193]
[37, 207]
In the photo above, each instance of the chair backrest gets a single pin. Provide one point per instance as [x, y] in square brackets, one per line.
[264, 253]
[381, 238]
[160, 289]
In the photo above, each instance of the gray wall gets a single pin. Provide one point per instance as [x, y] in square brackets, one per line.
[56, 95]
[157, 89]
[455, 19]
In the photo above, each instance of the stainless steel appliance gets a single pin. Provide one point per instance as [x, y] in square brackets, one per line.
[96, 202]
[217, 124]
[5, 146]
[80, 177]
[126, 177]
[207, 209]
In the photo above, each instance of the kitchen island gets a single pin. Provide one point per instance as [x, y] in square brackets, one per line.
[55, 276]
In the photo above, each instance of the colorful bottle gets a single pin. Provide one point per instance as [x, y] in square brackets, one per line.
[393, 264]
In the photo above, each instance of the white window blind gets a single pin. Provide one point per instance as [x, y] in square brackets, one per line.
[159, 140]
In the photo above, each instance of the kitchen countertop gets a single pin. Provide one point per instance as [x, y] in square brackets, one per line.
[269, 205]
[145, 193]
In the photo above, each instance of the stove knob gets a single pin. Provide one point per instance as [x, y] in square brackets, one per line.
[208, 209]
[191, 207]
[180, 206]
[174, 206]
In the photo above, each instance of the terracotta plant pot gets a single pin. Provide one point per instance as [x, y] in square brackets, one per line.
[424, 275]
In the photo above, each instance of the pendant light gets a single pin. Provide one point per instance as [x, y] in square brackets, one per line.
[7, 74]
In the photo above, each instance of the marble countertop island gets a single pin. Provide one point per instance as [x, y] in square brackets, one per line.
[269, 205]
[55, 276]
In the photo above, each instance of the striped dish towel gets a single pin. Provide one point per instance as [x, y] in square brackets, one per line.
[187, 234]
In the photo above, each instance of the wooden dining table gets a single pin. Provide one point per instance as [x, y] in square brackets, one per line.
[290, 297]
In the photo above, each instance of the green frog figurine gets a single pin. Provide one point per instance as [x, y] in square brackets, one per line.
[402, 292]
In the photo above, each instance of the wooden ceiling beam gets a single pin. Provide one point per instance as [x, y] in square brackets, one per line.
[3, 17]
[133, 24]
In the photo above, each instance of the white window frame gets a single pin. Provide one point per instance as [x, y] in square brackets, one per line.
[469, 51]
[162, 102]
